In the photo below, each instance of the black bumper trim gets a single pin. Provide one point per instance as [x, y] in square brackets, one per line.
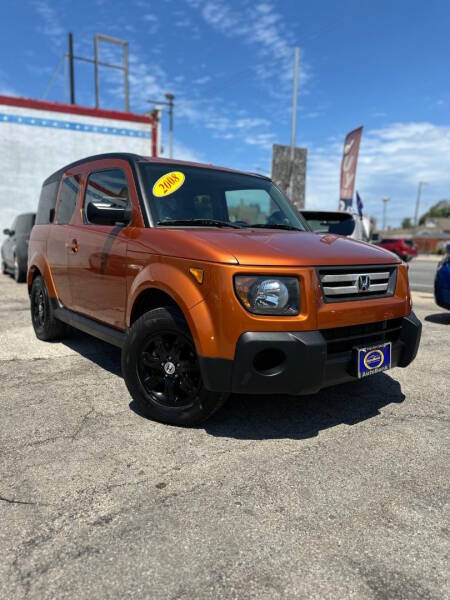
[306, 366]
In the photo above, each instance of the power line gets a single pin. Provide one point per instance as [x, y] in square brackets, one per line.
[52, 80]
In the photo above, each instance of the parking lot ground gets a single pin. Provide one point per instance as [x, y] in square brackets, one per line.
[422, 272]
[338, 495]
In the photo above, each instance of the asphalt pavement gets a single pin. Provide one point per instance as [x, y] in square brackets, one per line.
[422, 271]
[339, 495]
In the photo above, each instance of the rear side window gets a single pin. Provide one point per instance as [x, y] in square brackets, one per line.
[109, 188]
[68, 198]
[25, 223]
[47, 202]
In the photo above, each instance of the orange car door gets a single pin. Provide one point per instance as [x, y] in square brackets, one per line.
[98, 265]
[60, 238]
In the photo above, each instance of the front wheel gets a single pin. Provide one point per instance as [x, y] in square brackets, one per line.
[162, 372]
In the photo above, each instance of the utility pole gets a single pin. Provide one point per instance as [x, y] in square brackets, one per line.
[294, 122]
[168, 102]
[419, 194]
[385, 201]
[170, 99]
[71, 70]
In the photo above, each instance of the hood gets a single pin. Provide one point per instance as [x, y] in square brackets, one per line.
[255, 247]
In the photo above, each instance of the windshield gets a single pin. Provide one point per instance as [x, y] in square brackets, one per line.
[185, 195]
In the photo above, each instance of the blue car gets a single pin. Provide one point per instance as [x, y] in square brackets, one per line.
[442, 282]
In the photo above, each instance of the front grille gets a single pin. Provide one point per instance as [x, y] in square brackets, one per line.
[356, 283]
[344, 339]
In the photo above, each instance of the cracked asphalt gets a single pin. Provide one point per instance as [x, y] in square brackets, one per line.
[339, 495]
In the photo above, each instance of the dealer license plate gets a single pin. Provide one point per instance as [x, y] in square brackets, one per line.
[374, 359]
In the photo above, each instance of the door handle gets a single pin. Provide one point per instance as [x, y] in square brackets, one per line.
[73, 245]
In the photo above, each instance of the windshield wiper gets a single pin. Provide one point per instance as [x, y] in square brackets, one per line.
[276, 226]
[204, 222]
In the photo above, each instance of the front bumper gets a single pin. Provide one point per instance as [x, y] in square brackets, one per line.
[303, 362]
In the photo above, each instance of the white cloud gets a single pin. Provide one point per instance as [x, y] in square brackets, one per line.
[151, 23]
[50, 25]
[202, 80]
[262, 140]
[263, 28]
[391, 163]
[6, 90]
[182, 152]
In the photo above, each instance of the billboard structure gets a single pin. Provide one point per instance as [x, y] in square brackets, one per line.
[348, 168]
[290, 176]
[37, 138]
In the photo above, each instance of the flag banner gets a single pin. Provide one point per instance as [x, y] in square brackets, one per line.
[359, 204]
[348, 168]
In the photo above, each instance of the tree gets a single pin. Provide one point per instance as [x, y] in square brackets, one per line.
[406, 223]
[441, 209]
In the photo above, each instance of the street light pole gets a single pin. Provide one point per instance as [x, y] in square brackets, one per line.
[294, 102]
[419, 194]
[293, 124]
[385, 201]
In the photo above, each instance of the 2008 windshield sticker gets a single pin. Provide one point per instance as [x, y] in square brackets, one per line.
[168, 184]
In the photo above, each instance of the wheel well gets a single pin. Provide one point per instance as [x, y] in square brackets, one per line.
[150, 299]
[35, 272]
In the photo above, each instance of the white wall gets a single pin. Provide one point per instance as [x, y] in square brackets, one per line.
[30, 152]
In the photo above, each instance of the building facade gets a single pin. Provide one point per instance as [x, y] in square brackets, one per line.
[37, 138]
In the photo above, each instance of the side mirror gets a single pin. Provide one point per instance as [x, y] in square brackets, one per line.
[102, 214]
[6, 232]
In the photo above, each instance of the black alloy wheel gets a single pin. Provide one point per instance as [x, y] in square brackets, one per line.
[38, 309]
[162, 370]
[168, 370]
[46, 325]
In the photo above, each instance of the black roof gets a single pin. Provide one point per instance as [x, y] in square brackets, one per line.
[133, 158]
[124, 155]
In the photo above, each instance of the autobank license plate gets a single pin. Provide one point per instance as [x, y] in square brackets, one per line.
[374, 359]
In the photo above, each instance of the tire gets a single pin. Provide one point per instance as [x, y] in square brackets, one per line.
[46, 325]
[4, 268]
[162, 372]
[19, 274]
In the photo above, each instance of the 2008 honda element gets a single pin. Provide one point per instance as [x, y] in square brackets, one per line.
[210, 283]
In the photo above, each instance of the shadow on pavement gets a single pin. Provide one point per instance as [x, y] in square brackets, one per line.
[272, 417]
[102, 354]
[439, 318]
[302, 417]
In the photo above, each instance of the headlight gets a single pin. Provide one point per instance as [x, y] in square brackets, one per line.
[268, 295]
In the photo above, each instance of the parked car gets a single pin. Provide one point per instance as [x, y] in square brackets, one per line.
[442, 281]
[338, 222]
[404, 249]
[210, 283]
[15, 247]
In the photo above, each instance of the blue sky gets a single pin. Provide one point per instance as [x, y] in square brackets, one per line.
[380, 64]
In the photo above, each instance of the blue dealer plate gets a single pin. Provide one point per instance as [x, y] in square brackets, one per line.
[374, 359]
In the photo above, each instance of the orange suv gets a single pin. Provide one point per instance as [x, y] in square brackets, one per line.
[210, 283]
